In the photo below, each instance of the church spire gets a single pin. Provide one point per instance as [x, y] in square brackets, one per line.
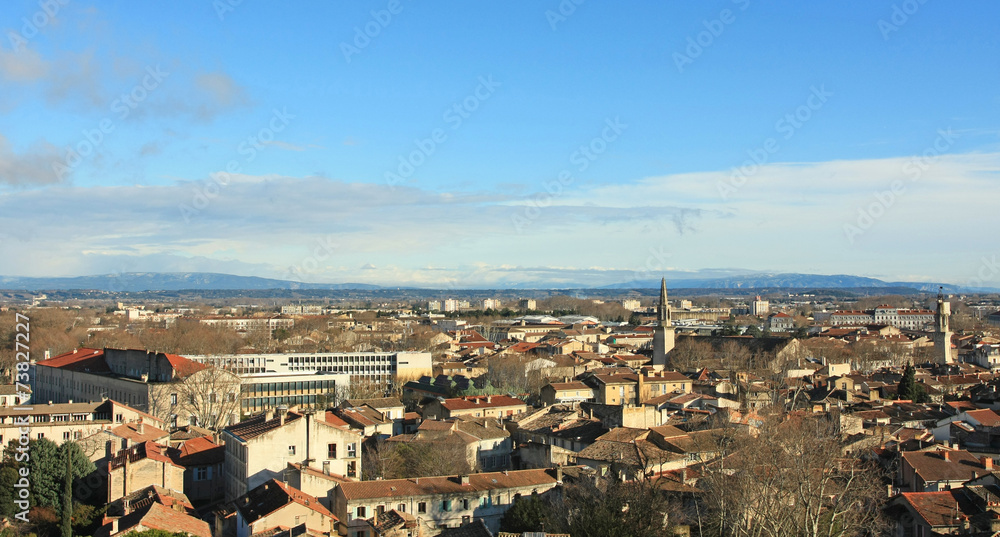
[664, 310]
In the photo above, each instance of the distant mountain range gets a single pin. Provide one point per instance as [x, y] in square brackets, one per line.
[176, 281]
[789, 281]
[129, 282]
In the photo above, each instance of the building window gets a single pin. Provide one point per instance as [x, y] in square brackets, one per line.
[66, 435]
[352, 469]
[331, 451]
[173, 399]
[291, 450]
[380, 509]
[465, 505]
[201, 474]
[446, 505]
[401, 508]
[422, 507]
[361, 512]
[352, 450]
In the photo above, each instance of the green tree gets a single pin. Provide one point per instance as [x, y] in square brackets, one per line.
[527, 514]
[908, 388]
[47, 465]
[67, 498]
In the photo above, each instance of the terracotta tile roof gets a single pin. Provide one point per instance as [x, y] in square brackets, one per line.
[272, 496]
[426, 486]
[939, 508]
[83, 359]
[131, 432]
[481, 401]
[259, 424]
[159, 517]
[142, 498]
[146, 450]
[985, 417]
[201, 451]
[561, 386]
[931, 466]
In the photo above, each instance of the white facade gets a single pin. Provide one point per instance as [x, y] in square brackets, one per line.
[395, 366]
[260, 449]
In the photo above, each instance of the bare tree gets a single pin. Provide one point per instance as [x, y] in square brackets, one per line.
[210, 396]
[792, 479]
[690, 354]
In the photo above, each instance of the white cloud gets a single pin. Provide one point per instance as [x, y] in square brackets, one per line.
[787, 217]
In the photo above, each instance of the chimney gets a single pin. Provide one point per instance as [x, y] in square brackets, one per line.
[988, 463]
[139, 427]
[684, 475]
[946, 455]
[268, 415]
[114, 526]
[559, 474]
[489, 399]
[463, 479]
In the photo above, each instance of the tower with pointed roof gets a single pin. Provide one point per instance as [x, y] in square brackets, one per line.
[663, 334]
[942, 331]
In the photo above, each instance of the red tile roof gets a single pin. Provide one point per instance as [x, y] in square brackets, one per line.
[940, 508]
[146, 450]
[986, 417]
[425, 486]
[161, 517]
[481, 401]
[91, 360]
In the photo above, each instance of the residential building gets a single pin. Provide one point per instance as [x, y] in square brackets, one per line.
[251, 324]
[442, 502]
[780, 322]
[631, 304]
[492, 304]
[898, 317]
[172, 388]
[274, 504]
[260, 448]
[153, 515]
[527, 304]
[942, 469]
[60, 422]
[143, 464]
[475, 406]
[203, 461]
[566, 392]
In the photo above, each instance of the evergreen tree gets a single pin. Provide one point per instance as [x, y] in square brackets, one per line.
[904, 390]
[67, 499]
[909, 388]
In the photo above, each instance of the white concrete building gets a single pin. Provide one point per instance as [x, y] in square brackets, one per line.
[260, 449]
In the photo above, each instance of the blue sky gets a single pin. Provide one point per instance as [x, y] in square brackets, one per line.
[472, 145]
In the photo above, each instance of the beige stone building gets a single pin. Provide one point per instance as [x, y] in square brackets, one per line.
[142, 465]
[274, 504]
[174, 389]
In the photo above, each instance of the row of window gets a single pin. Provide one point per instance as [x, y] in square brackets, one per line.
[463, 504]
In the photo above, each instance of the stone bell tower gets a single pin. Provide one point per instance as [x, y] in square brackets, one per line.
[942, 331]
[663, 334]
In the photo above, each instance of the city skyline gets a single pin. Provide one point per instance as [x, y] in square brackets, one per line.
[404, 144]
